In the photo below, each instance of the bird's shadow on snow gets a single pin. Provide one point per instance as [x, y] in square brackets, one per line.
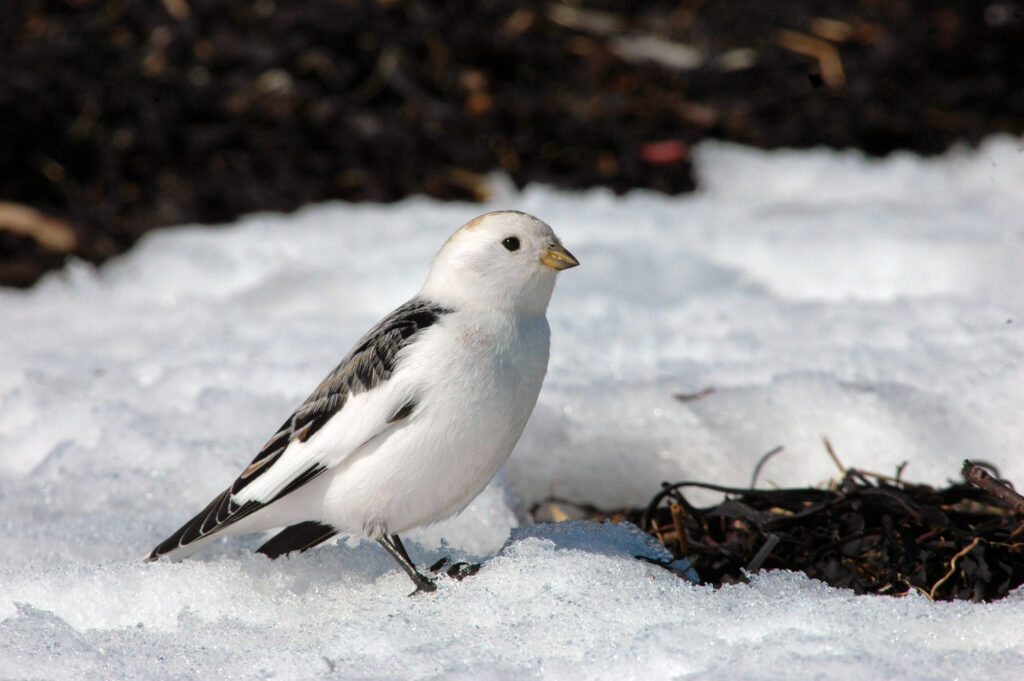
[364, 562]
[351, 561]
[607, 539]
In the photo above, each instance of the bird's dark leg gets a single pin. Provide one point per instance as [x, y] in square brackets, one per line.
[393, 544]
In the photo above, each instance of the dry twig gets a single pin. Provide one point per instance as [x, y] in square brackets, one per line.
[979, 477]
[952, 566]
[825, 52]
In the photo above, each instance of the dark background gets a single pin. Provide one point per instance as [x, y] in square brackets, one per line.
[120, 116]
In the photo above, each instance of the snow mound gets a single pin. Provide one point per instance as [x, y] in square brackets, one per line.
[797, 294]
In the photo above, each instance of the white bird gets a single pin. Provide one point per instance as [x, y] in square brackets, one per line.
[418, 417]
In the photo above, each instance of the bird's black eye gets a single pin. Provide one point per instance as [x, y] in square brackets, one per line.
[511, 243]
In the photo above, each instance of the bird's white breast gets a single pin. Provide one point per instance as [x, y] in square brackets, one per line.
[476, 378]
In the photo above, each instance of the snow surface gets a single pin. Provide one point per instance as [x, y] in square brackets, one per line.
[880, 303]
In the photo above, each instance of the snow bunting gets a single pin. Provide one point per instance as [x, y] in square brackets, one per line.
[418, 417]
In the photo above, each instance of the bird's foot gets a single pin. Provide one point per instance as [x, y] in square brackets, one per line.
[457, 571]
[424, 585]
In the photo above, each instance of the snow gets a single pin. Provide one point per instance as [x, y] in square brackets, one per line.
[875, 302]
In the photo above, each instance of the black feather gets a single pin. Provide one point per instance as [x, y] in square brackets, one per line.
[297, 538]
[404, 411]
[204, 522]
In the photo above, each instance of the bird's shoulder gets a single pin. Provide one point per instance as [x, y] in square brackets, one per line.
[375, 356]
[369, 365]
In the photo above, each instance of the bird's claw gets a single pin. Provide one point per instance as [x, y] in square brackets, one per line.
[457, 571]
[425, 585]
[462, 569]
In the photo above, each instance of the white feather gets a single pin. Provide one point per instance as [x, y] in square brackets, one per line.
[363, 418]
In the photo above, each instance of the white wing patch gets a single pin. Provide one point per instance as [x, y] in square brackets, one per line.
[364, 417]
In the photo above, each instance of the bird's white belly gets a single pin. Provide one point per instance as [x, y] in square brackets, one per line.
[437, 462]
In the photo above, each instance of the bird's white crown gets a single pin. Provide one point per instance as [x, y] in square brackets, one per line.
[505, 260]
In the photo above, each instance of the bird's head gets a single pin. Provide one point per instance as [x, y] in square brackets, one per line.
[501, 260]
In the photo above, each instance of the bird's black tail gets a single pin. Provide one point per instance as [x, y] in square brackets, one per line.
[220, 513]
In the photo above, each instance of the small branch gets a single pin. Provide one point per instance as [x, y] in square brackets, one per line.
[636, 49]
[689, 397]
[979, 477]
[657, 531]
[593, 22]
[832, 453]
[760, 464]
[825, 52]
[879, 476]
[49, 232]
[770, 542]
[952, 566]
[899, 472]
[677, 521]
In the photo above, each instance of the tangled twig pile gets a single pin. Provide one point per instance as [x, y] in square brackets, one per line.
[871, 533]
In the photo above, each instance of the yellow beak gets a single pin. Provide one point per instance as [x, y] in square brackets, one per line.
[558, 258]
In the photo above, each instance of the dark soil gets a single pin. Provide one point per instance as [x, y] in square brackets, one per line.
[122, 116]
